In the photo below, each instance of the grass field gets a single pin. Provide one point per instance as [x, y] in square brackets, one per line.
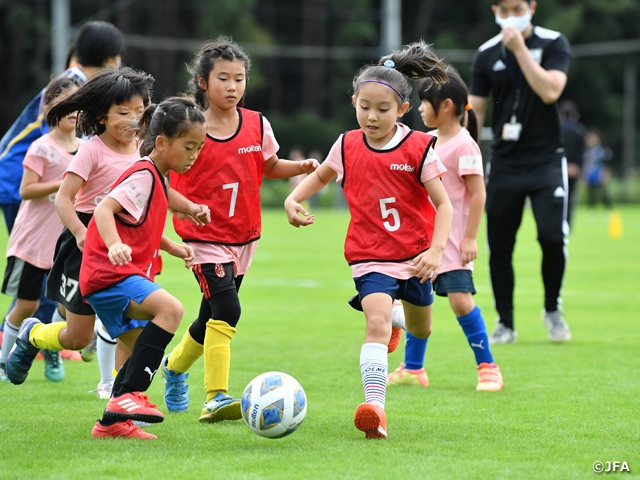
[563, 407]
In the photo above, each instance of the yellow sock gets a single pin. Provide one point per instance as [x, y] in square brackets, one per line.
[184, 354]
[46, 336]
[217, 358]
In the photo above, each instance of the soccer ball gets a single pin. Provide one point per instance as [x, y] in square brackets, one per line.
[274, 405]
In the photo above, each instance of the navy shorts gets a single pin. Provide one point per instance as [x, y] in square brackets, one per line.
[454, 281]
[111, 303]
[411, 290]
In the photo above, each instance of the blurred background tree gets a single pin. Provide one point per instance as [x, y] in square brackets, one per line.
[306, 52]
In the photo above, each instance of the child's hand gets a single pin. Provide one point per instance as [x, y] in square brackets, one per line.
[199, 215]
[469, 250]
[309, 165]
[119, 253]
[80, 237]
[294, 209]
[185, 252]
[427, 265]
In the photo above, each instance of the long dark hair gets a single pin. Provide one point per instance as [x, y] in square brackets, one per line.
[222, 48]
[94, 98]
[456, 91]
[57, 88]
[172, 118]
[413, 62]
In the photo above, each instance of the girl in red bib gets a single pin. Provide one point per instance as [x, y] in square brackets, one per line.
[400, 213]
[240, 149]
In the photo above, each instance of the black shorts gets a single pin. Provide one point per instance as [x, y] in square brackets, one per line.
[22, 280]
[63, 283]
[214, 277]
[454, 281]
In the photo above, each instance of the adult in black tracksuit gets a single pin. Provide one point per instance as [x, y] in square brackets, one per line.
[524, 69]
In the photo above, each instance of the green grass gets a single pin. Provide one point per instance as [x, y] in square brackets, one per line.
[563, 406]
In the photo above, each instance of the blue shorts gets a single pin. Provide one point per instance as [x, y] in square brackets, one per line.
[411, 290]
[454, 281]
[110, 304]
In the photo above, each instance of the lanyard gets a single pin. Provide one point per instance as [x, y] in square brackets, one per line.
[516, 81]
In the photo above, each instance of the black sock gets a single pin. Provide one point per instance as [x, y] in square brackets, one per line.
[138, 371]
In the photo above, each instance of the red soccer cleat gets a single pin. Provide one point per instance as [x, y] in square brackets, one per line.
[133, 406]
[371, 420]
[120, 429]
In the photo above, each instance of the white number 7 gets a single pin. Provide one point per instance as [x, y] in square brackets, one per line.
[234, 196]
[390, 211]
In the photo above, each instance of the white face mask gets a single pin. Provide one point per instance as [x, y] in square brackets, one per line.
[521, 22]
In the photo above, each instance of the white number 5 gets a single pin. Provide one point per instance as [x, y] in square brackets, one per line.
[234, 196]
[390, 211]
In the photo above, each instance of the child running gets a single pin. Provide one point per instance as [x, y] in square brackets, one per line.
[111, 102]
[239, 150]
[444, 108]
[400, 213]
[32, 240]
[119, 261]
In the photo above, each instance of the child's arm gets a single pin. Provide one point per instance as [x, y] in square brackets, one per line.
[428, 263]
[64, 202]
[469, 247]
[31, 188]
[185, 209]
[104, 216]
[278, 168]
[308, 187]
[179, 250]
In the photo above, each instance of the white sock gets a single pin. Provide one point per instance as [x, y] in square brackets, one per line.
[397, 316]
[8, 340]
[374, 367]
[106, 350]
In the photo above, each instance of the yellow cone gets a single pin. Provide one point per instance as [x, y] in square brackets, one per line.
[615, 229]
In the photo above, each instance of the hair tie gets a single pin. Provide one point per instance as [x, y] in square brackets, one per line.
[468, 107]
[389, 64]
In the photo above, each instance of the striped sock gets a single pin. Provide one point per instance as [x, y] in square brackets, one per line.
[374, 368]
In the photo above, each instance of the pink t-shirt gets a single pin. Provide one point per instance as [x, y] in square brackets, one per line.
[37, 226]
[461, 155]
[432, 168]
[133, 194]
[242, 255]
[99, 167]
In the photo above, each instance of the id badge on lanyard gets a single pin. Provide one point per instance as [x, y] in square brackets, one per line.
[511, 131]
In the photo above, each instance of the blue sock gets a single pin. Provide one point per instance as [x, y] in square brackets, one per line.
[474, 328]
[414, 351]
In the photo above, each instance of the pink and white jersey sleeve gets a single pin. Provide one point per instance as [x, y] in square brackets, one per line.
[461, 155]
[37, 226]
[133, 194]
[99, 167]
[269, 143]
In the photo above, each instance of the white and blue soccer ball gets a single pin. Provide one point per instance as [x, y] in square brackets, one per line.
[274, 405]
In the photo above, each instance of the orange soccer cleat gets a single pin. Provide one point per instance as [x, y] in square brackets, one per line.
[371, 420]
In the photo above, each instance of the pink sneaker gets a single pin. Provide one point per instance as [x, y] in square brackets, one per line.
[489, 378]
[371, 420]
[71, 355]
[396, 332]
[404, 376]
